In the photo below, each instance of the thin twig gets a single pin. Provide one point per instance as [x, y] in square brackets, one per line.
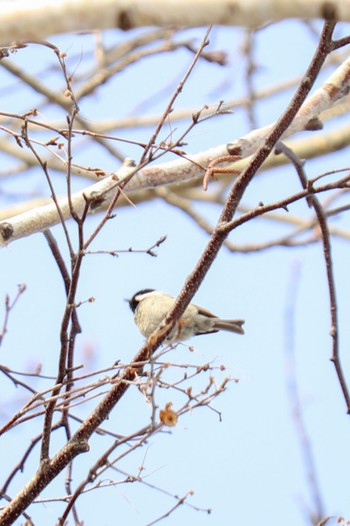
[8, 307]
[309, 465]
[169, 108]
[327, 251]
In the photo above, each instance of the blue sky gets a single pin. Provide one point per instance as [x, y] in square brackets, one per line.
[247, 468]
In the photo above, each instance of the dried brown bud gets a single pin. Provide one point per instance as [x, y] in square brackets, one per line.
[167, 416]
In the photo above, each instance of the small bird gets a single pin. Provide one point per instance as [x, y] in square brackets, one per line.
[151, 307]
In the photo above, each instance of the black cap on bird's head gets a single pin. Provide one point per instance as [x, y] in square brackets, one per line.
[135, 300]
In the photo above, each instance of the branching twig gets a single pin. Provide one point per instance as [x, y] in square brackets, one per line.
[322, 221]
[148, 149]
[8, 307]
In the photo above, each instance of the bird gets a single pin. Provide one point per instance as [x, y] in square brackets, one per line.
[151, 306]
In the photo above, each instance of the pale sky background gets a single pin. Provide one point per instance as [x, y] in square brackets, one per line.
[248, 468]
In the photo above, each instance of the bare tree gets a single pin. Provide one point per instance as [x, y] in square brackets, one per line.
[79, 402]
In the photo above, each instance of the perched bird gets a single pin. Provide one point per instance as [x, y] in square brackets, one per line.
[151, 307]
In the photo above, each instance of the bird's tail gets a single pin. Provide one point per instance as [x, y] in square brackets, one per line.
[229, 325]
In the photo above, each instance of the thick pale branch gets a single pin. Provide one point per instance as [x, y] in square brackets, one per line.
[335, 88]
[44, 17]
[309, 148]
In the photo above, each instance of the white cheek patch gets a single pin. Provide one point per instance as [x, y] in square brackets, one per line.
[141, 297]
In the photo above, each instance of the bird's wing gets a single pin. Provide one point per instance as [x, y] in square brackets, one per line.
[204, 312]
